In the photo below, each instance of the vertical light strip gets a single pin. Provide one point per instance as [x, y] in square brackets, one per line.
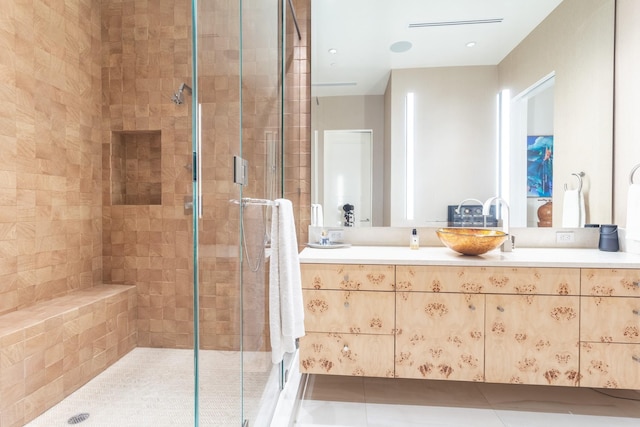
[409, 154]
[199, 136]
[504, 144]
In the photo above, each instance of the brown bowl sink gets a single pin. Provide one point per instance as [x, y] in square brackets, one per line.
[471, 241]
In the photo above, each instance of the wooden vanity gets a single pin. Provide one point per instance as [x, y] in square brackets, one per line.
[568, 317]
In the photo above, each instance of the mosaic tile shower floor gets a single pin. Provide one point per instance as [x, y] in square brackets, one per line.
[154, 387]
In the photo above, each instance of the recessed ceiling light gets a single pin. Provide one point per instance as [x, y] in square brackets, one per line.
[401, 46]
[333, 51]
[471, 44]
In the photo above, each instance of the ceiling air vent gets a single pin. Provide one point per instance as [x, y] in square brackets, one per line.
[451, 23]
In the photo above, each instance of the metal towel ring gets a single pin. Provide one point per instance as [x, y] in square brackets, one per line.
[579, 175]
[635, 168]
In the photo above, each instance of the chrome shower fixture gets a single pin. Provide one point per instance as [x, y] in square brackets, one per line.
[177, 97]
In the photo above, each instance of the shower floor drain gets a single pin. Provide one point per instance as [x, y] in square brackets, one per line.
[77, 419]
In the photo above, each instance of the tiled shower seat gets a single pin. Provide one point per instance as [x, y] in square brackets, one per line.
[50, 349]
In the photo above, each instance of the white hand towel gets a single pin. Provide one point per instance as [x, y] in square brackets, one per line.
[320, 222]
[286, 311]
[571, 209]
[582, 210]
[633, 212]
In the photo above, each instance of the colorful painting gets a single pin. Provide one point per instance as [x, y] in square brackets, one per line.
[540, 166]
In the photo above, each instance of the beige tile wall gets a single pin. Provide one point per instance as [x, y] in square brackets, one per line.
[65, 79]
[146, 50]
[50, 157]
[298, 119]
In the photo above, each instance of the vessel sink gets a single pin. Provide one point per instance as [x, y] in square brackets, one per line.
[471, 241]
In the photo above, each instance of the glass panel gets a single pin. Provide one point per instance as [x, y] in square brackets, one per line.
[218, 353]
[261, 141]
[237, 113]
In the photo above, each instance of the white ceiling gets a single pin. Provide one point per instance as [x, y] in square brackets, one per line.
[362, 31]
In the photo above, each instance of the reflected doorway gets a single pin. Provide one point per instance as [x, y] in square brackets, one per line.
[347, 166]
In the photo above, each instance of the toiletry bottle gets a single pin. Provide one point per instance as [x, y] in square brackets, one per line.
[414, 242]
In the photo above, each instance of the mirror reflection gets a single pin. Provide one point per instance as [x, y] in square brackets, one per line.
[419, 105]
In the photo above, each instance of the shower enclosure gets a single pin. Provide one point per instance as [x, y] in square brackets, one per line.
[237, 139]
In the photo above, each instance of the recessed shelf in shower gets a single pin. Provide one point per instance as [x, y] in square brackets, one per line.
[136, 168]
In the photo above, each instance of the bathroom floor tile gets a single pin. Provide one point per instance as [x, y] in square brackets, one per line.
[419, 403]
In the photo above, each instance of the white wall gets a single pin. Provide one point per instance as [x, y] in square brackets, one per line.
[455, 137]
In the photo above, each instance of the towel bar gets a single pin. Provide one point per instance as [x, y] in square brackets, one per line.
[578, 175]
[250, 201]
[635, 168]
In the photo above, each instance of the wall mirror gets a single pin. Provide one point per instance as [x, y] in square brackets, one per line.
[449, 94]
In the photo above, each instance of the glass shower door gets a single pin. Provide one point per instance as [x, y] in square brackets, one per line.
[236, 144]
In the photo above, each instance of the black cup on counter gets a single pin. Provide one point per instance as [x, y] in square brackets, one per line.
[608, 238]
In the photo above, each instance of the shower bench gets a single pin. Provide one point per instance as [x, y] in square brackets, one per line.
[52, 348]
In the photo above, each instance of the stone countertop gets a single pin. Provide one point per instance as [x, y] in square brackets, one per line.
[520, 257]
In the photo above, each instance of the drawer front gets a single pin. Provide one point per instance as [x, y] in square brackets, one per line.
[606, 283]
[610, 319]
[491, 280]
[348, 277]
[347, 354]
[440, 336]
[610, 365]
[532, 339]
[361, 312]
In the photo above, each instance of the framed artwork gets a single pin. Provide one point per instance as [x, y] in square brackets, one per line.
[539, 166]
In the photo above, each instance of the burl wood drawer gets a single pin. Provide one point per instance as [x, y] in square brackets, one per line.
[347, 354]
[348, 277]
[361, 312]
[489, 280]
[610, 365]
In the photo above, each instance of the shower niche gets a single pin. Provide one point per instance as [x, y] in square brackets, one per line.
[136, 173]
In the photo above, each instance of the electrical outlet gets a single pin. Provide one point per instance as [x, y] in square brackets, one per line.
[336, 236]
[565, 237]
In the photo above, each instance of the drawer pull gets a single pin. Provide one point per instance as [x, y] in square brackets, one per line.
[346, 277]
[636, 284]
[636, 312]
[636, 358]
[500, 308]
[346, 304]
[345, 349]
[472, 307]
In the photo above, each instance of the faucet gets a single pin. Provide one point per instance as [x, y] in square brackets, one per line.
[507, 246]
[466, 200]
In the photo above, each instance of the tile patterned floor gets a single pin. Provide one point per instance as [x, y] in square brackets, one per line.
[381, 402]
[154, 387]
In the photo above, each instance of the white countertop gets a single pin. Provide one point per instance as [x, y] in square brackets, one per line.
[520, 257]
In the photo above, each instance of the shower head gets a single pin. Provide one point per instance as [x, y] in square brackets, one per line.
[177, 97]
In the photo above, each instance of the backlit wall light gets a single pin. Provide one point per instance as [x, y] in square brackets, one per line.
[333, 51]
[409, 152]
[471, 44]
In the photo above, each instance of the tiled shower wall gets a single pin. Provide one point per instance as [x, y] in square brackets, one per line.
[67, 87]
[50, 159]
[146, 51]
[297, 169]
[146, 56]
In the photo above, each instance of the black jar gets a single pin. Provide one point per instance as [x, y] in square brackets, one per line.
[608, 238]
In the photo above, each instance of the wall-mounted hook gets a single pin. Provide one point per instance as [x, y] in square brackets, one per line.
[578, 175]
[635, 168]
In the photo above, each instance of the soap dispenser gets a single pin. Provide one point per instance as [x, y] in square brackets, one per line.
[414, 241]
